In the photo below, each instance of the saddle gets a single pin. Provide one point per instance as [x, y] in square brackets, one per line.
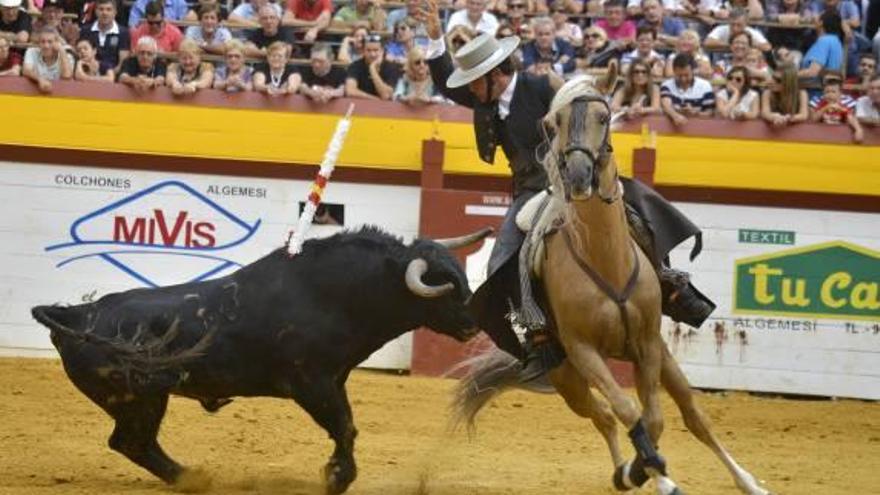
[538, 218]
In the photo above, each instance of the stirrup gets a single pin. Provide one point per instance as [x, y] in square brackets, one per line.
[543, 353]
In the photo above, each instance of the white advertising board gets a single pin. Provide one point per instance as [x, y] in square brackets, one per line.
[798, 303]
[69, 233]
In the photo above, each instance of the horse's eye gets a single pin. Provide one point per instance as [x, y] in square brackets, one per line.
[604, 118]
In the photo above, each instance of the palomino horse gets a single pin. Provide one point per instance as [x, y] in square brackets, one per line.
[605, 299]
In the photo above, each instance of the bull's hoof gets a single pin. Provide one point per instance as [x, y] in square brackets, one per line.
[192, 481]
[337, 477]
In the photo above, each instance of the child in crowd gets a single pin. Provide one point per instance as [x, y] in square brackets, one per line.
[87, 67]
[830, 110]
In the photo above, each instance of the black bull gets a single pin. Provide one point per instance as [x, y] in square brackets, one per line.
[280, 327]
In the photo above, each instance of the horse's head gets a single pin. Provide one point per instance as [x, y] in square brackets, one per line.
[579, 162]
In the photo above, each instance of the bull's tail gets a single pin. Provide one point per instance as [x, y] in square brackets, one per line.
[146, 356]
[489, 375]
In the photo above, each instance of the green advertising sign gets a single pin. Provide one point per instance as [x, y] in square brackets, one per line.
[755, 236]
[835, 280]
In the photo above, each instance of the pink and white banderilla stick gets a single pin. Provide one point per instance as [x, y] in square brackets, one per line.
[295, 242]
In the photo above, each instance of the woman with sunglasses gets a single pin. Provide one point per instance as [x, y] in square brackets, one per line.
[597, 51]
[639, 95]
[402, 42]
[416, 86]
[234, 75]
[784, 102]
[737, 100]
[515, 11]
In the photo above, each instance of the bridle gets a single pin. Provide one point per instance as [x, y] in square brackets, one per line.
[576, 122]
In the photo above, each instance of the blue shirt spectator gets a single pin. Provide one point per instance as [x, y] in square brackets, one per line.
[548, 48]
[175, 10]
[827, 51]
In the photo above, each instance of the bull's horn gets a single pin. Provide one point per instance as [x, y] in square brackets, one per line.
[414, 272]
[462, 241]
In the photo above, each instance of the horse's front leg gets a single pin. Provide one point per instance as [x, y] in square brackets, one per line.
[327, 403]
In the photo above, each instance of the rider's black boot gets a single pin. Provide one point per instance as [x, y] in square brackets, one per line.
[681, 300]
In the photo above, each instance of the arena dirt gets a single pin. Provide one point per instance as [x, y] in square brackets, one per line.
[53, 440]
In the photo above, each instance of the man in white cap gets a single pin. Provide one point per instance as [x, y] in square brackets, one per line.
[15, 23]
[508, 106]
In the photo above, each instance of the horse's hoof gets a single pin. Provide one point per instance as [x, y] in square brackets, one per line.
[629, 475]
[192, 481]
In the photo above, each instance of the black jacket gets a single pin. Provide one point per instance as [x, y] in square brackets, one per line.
[519, 134]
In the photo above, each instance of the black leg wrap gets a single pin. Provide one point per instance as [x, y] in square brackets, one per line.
[645, 450]
[635, 478]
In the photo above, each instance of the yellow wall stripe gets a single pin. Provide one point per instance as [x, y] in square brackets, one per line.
[395, 144]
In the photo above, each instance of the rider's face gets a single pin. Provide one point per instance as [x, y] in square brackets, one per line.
[480, 89]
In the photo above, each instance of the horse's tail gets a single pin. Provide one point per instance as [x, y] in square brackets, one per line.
[489, 374]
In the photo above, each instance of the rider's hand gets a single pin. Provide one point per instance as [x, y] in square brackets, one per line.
[431, 15]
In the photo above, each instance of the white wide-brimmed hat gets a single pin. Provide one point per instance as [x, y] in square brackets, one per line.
[10, 3]
[478, 56]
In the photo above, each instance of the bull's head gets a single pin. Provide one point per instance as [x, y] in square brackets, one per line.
[436, 276]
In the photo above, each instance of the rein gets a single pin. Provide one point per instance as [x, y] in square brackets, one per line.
[619, 298]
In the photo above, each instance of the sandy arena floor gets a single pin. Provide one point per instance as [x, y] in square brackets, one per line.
[53, 440]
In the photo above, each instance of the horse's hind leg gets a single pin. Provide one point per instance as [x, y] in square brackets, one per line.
[576, 392]
[676, 384]
[135, 437]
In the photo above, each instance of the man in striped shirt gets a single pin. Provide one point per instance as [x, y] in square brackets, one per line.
[684, 95]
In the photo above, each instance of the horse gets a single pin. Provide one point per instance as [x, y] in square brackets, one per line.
[604, 298]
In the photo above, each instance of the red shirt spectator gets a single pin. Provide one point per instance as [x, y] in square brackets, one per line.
[308, 10]
[168, 36]
[836, 115]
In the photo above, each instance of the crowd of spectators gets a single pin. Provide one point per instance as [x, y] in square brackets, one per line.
[784, 61]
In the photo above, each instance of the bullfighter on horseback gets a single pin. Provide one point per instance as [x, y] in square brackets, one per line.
[508, 106]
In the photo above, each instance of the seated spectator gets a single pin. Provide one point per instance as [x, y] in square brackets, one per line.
[15, 23]
[868, 106]
[685, 95]
[547, 52]
[475, 16]
[597, 51]
[720, 36]
[313, 14]
[833, 78]
[526, 33]
[321, 80]
[790, 12]
[189, 74]
[667, 28]
[827, 52]
[459, 36]
[571, 6]
[248, 12]
[112, 40]
[196, 7]
[352, 46]
[413, 17]
[830, 110]
[723, 9]
[502, 7]
[234, 75]
[53, 16]
[87, 67]
[168, 36]
[10, 60]
[359, 12]
[144, 70]
[646, 38]
[271, 31]
[416, 87]
[402, 41]
[47, 61]
[615, 24]
[174, 10]
[689, 43]
[639, 96]
[867, 70]
[209, 34]
[737, 100]
[372, 77]
[516, 15]
[565, 30]
[784, 102]
[276, 77]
